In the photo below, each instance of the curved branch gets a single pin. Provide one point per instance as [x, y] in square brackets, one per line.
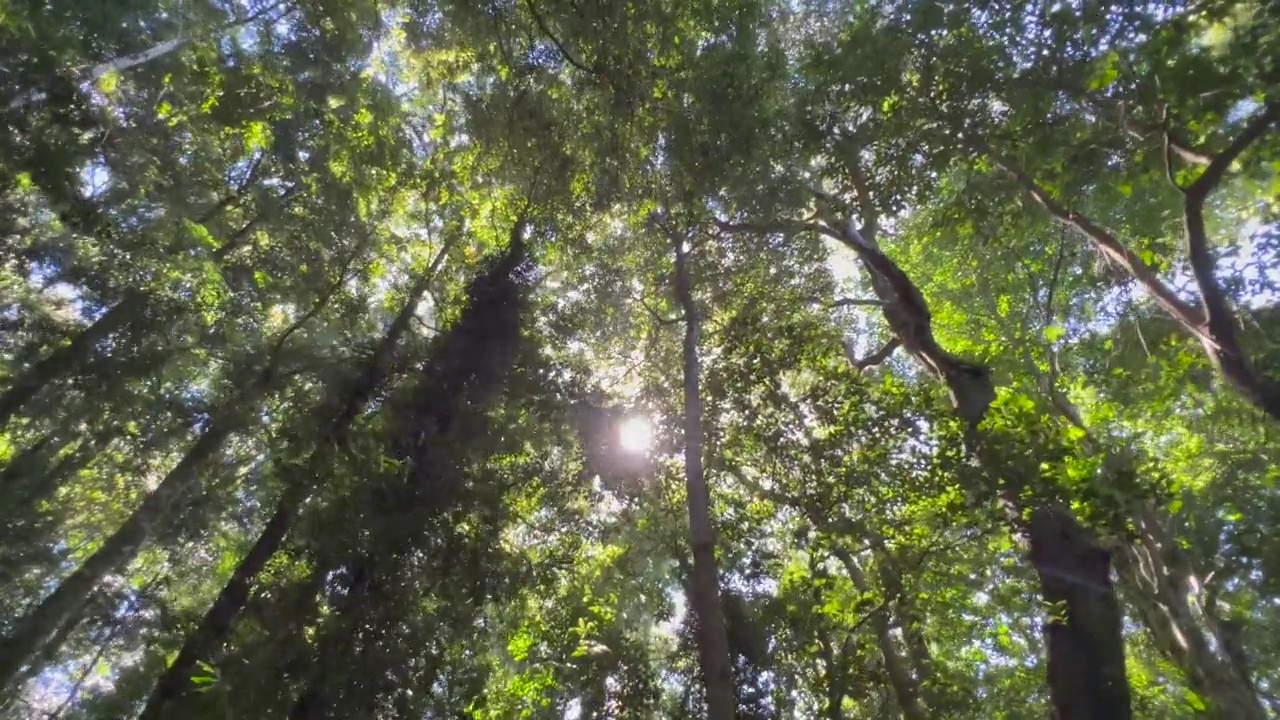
[541, 22]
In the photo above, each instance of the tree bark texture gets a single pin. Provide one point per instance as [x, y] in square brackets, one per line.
[1162, 585]
[713, 642]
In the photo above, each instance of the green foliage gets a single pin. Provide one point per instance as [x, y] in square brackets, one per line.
[259, 248]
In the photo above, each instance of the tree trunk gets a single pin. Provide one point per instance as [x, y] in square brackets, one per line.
[220, 617]
[1086, 646]
[713, 642]
[31, 632]
[1086, 651]
[68, 357]
[1163, 586]
[896, 665]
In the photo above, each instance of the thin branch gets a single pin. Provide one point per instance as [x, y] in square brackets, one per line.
[1140, 130]
[1168, 159]
[850, 302]
[1053, 279]
[125, 62]
[775, 228]
[657, 316]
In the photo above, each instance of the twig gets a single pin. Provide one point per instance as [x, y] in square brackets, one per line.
[1212, 175]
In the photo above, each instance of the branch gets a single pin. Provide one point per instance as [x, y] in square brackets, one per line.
[657, 316]
[125, 62]
[564, 52]
[878, 356]
[1168, 160]
[774, 228]
[870, 218]
[1105, 243]
[848, 302]
[1212, 175]
[1142, 130]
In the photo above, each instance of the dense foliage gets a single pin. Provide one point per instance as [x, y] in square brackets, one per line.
[652, 359]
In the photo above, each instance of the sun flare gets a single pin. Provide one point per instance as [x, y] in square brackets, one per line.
[635, 434]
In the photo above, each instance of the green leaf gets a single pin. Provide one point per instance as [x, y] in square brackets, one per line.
[1106, 72]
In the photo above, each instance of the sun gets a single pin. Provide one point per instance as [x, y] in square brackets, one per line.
[635, 434]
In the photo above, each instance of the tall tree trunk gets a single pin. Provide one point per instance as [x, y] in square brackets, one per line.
[67, 358]
[220, 617]
[1163, 586]
[469, 363]
[32, 631]
[1086, 650]
[905, 686]
[713, 642]
[1086, 646]
[134, 306]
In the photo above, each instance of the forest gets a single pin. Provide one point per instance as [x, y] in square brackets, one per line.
[586, 359]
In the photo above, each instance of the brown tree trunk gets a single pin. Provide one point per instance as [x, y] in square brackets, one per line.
[1161, 583]
[220, 617]
[713, 641]
[1086, 646]
[1086, 651]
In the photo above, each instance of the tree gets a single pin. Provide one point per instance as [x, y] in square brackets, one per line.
[551, 359]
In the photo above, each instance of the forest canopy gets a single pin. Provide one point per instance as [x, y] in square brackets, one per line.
[584, 359]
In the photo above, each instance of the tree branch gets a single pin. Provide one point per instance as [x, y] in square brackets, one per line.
[1212, 175]
[1106, 244]
[878, 356]
[564, 52]
[848, 302]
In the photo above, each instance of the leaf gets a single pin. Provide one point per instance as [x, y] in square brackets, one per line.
[1106, 72]
[1054, 333]
[109, 82]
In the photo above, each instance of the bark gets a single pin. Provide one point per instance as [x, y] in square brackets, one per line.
[835, 680]
[1086, 647]
[1086, 651]
[905, 686]
[221, 616]
[713, 642]
[1164, 588]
